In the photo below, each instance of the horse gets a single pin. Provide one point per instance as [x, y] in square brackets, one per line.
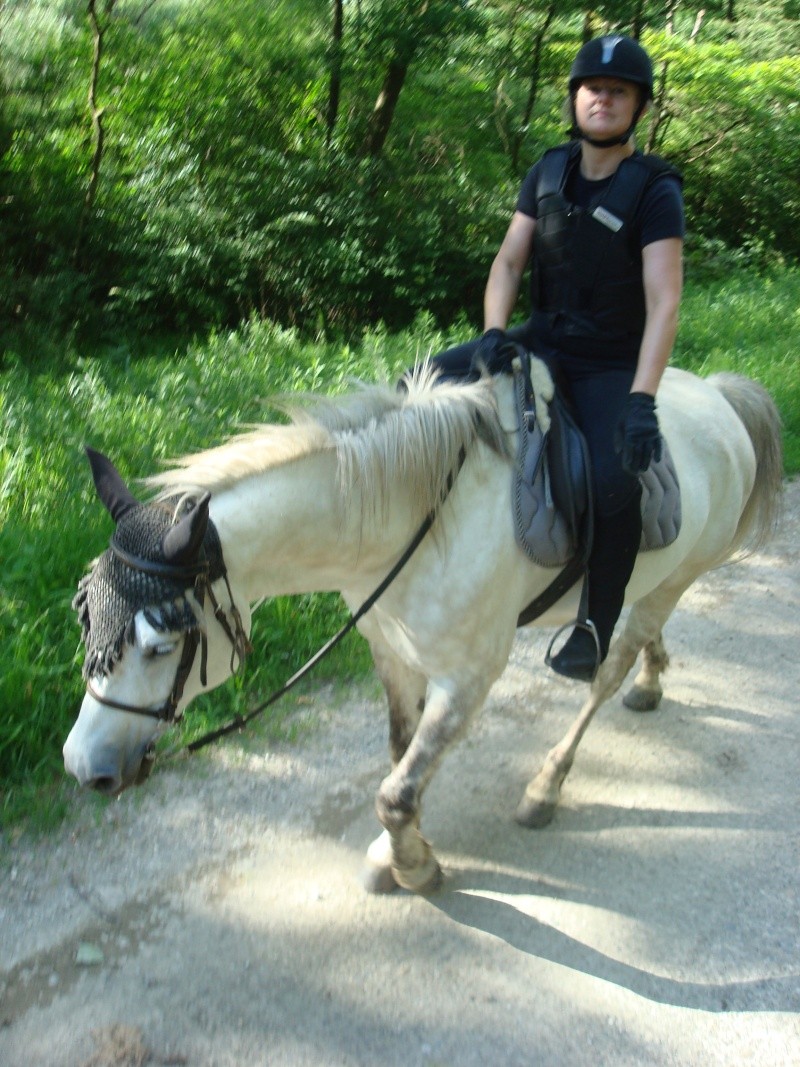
[330, 501]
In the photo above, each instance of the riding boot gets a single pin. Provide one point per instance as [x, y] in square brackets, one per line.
[614, 549]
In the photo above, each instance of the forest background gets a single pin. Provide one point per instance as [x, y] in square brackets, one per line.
[204, 202]
[182, 164]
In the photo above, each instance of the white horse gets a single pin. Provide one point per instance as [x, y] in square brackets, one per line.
[331, 502]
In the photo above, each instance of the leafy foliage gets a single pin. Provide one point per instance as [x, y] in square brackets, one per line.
[223, 190]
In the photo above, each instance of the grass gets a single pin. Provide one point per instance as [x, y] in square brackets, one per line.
[141, 410]
[749, 324]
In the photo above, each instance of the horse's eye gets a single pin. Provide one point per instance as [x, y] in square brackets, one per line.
[163, 648]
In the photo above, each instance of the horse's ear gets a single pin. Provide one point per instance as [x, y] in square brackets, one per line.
[110, 487]
[182, 541]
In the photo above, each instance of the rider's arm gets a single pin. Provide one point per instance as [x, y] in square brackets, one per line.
[662, 271]
[506, 272]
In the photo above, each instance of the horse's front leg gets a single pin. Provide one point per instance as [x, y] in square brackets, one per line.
[448, 712]
[405, 693]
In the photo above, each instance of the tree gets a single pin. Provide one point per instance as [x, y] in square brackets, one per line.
[324, 164]
[399, 34]
[534, 76]
[96, 116]
[335, 80]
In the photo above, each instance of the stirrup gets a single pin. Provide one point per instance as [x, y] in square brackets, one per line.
[576, 624]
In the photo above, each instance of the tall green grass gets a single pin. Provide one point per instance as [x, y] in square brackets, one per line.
[749, 324]
[142, 410]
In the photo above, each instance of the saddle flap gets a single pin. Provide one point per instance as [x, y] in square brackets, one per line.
[550, 489]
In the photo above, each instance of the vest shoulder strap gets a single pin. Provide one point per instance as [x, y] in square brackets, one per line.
[658, 165]
[633, 177]
[553, 168]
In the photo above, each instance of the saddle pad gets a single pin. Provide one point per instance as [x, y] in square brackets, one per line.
[661, 503]
[543, 529]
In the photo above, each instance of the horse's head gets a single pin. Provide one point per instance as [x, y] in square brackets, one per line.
[142, 613]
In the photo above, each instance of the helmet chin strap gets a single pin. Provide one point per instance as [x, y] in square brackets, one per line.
[576, 132]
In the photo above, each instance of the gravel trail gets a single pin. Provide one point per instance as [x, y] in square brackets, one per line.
[214, 917]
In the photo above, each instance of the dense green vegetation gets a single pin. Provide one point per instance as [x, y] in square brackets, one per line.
[204, 203]
[265, 158]
[141, 410]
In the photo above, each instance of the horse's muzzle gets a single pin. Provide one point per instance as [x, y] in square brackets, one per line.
[107, 776]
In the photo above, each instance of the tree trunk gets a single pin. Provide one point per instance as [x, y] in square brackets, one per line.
[659, 110]
[698, 22]
[335, 85]
[637, 22]
[404, 48]
[672, 6]
[96, 115]
[380, 120]
[533, 85]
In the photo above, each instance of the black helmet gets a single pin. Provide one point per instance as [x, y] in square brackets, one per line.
[613, 57]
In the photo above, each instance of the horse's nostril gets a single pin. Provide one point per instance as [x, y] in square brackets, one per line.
[104, 784]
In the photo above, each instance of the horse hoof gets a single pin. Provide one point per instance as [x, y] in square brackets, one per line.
[424, 880]
[534, 814]
[639, 699]
[377, 879]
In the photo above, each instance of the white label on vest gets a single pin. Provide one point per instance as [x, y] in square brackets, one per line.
[607, 219]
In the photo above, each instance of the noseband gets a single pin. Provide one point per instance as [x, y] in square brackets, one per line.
[196, 575]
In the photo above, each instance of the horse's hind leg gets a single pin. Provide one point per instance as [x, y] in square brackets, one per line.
[642, 630]
[646, 692]
[539, 802]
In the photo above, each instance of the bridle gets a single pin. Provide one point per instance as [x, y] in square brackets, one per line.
[196, 577]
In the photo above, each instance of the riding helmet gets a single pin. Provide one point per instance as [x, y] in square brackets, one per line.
[613, 56]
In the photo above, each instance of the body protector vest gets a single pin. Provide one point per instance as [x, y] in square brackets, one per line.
[586, 267]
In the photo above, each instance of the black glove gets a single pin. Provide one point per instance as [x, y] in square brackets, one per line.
[494, 352]
[637, 435]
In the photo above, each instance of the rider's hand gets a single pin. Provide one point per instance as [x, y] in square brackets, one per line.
[637, 435]
[494, 353]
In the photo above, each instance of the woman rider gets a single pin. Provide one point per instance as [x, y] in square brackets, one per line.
[602, 227]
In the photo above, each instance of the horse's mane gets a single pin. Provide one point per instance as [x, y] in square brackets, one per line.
[381, 435]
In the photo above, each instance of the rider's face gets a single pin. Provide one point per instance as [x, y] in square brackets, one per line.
[604, 107]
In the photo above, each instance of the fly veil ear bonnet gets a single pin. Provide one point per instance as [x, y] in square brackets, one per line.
[160, 554]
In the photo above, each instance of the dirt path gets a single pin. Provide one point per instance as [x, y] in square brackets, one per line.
[215, 917]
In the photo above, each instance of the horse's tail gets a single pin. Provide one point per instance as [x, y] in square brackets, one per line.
[757, 411]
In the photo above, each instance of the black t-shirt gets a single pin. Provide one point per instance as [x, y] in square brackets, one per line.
[660, 213]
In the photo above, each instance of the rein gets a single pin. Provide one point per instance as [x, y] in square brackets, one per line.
[167, 711]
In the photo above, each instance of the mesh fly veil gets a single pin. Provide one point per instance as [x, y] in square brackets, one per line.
[112, 593]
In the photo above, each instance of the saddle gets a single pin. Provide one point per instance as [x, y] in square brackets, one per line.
[551, 491]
